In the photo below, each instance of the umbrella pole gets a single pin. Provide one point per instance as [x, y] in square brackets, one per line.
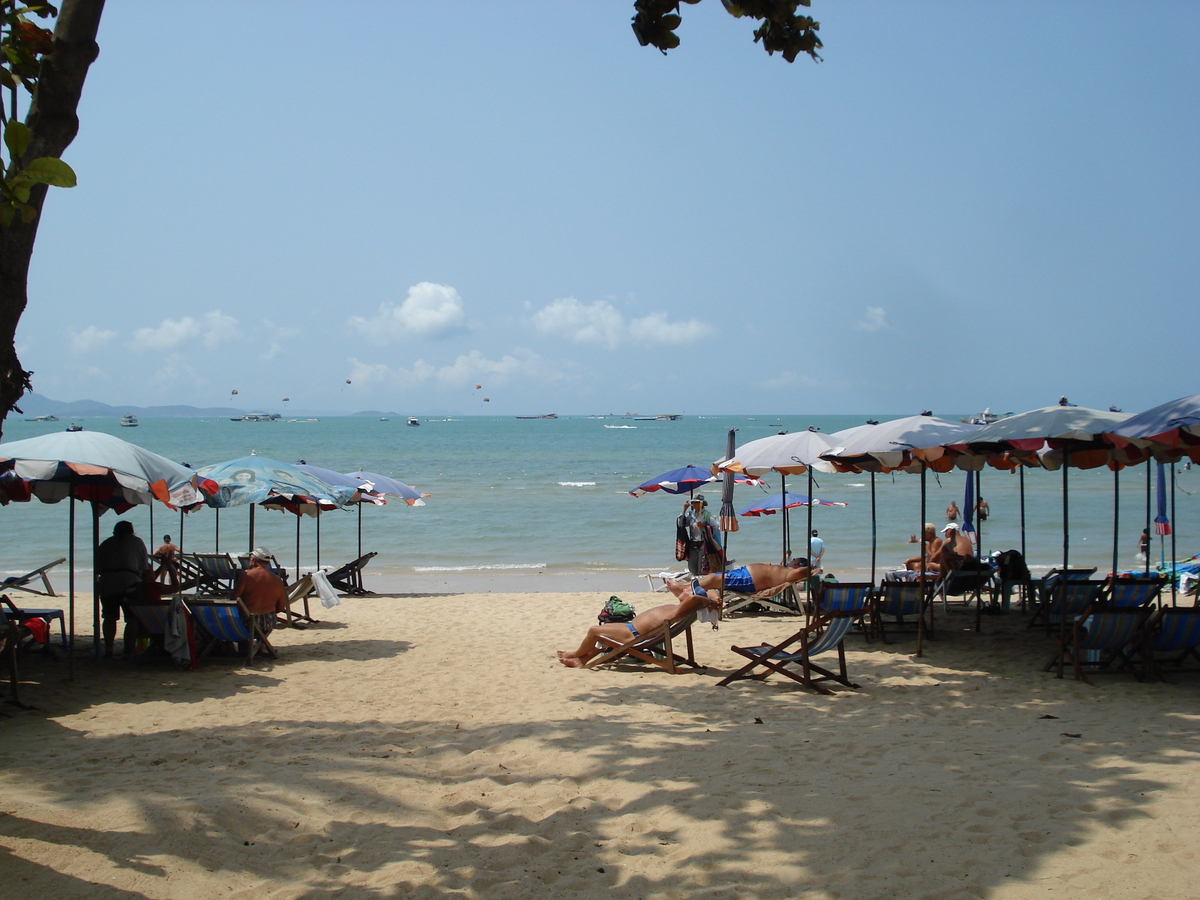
[217, 531]
[1174, 521]
[1021, 475]
[873, 535]
[1149, 466]
[1062, 618]
[95, 579]
[319, 540]
[978, 548]
[71, 581]
[250, 549]
[808, 533]
[924, 587]
[360, 531]
[150, 506]
[180, 528]
[787, 525]
[1116, 519]
[297, 546]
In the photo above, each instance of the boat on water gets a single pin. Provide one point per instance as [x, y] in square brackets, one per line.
[542, 416]
[74, 427]
[383, 418]
[43, 419]
[987, 417]
[413, 421]
[256, 417]
[129, 421]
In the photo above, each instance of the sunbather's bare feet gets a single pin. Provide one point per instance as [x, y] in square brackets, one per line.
[570, 661]
[676, 587]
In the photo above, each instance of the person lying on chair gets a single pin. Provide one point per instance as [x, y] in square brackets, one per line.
[747, 579]
[640, 624]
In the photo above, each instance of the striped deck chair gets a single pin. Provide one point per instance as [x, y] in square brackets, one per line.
[348, 578]
[655, 647]
[1133, 591]
[901, 600]
[207, 574]
[21, 613]
[23, 582]
[228, 620]
[838, 608]
[1078, 595]
[299, 593]
[778, 599]
[1101, 636]
[1172, 636]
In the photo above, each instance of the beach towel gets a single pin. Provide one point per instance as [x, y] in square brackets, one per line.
[329, 597]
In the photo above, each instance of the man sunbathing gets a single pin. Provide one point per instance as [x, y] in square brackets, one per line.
[640, 624]
[747, 579]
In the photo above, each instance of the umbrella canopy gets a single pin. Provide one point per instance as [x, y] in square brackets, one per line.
[338, 479]
[1038, 438]
[768, 506]
[683, 481]
[275, 485]
[900, 444]
[1175, 424]
[91, 465]
[788, 454]
[374, 483]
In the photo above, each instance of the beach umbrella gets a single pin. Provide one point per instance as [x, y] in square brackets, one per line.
[768, 506]
[329, 476]
[912, 444]
[793, 453]
[100, 469]
[260, 481]
[1175, 425]
[682, 481]
[1052, 437]
[837, 440]
[1162, 522]
[372, 484]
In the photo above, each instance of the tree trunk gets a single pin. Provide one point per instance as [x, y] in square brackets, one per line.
[53, 124]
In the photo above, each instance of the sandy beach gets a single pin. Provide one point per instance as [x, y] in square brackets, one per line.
[424, 746]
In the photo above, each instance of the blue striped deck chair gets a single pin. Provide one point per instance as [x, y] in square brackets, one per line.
[776, 599]
[839, 606]
[655, 647]
[1172, 636]
[23, 582]
[1071, 599]
[1103, 638]
[901, 600]
[228, 620]
[1133, 591]
[21, 613]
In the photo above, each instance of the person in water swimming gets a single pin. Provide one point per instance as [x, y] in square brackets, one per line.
[640, 624]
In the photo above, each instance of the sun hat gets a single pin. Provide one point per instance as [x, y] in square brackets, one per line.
[261, 553]
[951, 526]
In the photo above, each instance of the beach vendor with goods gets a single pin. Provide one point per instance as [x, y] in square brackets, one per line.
[123, 565]
[703, 535]
[261, 590]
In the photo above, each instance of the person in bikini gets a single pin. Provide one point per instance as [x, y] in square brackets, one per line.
[640, 624]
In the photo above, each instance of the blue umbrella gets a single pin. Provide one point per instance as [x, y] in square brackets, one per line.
[376, 485]
[968, 525]
[768, 506]
[684, 481]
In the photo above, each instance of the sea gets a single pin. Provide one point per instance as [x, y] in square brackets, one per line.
[535, 504]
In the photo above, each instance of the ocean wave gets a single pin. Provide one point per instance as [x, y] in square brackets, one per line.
[479, 568]
[577, 483]
[856, 484]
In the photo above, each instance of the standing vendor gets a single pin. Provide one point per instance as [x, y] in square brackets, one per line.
[703, 533]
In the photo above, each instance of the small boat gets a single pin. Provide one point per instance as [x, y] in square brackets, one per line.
[645, 418]
[987, 417]
[74, 427]
[256, 417]
[542, 416]
[43, 419]
[668, 417]
[413, 421]
[129, 421]
[383, 418]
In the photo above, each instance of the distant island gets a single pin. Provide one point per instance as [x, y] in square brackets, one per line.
[34, 404]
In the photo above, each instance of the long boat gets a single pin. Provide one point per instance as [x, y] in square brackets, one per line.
[543, 416]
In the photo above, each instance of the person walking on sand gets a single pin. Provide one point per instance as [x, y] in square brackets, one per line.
[952, 512]
[640, 624]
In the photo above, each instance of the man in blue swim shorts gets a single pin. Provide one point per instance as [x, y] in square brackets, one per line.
[746, 579]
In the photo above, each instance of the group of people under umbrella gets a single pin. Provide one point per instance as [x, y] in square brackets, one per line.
[109, 473]
[1054, 438]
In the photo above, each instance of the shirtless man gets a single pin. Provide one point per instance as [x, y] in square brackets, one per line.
[747, 579]
[640, 624]
[955, 548]
[261, 590]
[931, 548]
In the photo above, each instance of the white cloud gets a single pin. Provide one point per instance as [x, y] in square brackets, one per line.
[429, 310]
[465, 370]
[875, 319]
[213, 329]
[91, 338]
[602, 323]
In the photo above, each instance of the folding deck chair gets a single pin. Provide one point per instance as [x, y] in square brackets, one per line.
[838, 608]
[655, 647]
[348, 578]
[778, 599]
[901, 600]
[23, 582]
[1103, 634]
[969, 584]
[299, 593]
[207, 574]
[21, 613]
[1133, 591]
[227, 620]
[1069, 600]
[1172, 636]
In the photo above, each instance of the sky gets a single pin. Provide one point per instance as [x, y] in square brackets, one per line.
[383, 205]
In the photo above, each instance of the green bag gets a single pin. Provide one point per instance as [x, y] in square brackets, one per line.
[616, 610]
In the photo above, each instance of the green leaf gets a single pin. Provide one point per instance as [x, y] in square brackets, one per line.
[6, 215]
[49, 170]
[19, 187]
[16, 138]
[28, 213]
